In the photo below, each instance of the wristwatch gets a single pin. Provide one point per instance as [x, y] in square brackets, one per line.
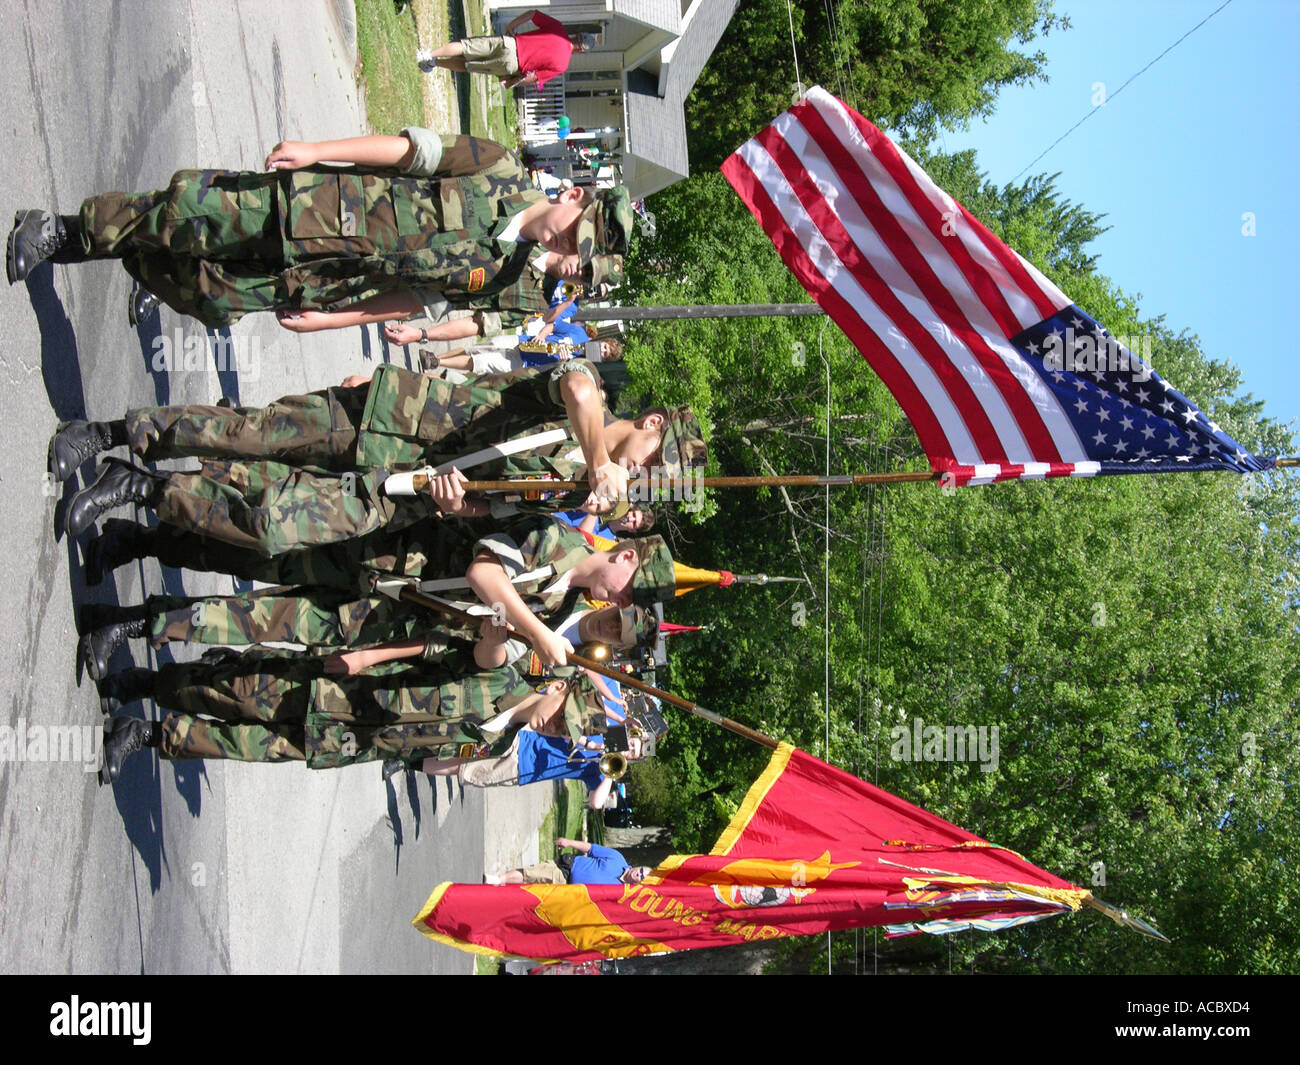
[424, 336]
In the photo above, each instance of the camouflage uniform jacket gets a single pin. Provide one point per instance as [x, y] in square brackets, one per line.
[535, 553]
[411, 420]
[538, 548]
[508, 310]
[431, 229]
[408, 703]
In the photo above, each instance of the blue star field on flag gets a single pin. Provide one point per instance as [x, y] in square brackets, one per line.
[1129, 418]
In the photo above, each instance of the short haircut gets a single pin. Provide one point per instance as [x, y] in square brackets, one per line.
[663, 412]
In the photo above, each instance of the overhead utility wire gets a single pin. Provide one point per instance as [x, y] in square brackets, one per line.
[1124, 86]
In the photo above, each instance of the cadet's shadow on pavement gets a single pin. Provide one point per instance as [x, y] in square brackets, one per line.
[60, 359]
[157, 355]
[149, 333]
[223, 349]
[395, 812]
[385, 349]
[188, 776]
[411, 786]
[367, 353]
[138, 795]
[138, 791]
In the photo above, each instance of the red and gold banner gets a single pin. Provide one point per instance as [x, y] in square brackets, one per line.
[811, 849]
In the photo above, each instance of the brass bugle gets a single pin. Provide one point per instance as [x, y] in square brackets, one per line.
[613, 765]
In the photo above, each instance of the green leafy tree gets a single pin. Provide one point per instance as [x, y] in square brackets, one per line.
[1132, 639]
[909, 64]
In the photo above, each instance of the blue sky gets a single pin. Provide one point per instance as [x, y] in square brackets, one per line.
[1204, 136]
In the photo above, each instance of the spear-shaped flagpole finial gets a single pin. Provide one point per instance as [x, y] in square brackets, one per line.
[763, 578]
[1123, 917]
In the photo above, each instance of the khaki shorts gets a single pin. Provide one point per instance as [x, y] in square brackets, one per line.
[543, 873]
[491, 55]
[493, 772]
[487, 358]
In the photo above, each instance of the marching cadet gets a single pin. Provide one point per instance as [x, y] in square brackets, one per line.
[557, 337]
[311, 469]
[529, 575]
[343, 565]
[421, 224]
[273, 706]
[500, 317]
[321, 617]
[337, 565]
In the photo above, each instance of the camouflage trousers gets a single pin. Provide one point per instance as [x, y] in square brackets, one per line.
[309, 470]
[311, 616]
[299, 485]
[273, 706]
[317, 431]
[399, 420]
[270, 507]
[209, 245]
[431, 548]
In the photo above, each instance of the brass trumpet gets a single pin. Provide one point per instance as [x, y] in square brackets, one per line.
[613, 765]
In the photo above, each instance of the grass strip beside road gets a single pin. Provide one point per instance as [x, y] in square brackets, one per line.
[564, 820]
[398, 94]
[387, 45]
[493, 108]
[492, 112]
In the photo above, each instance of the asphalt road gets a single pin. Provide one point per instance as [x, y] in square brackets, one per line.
[182, 867]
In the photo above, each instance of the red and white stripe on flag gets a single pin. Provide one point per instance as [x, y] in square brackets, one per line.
[921, 287]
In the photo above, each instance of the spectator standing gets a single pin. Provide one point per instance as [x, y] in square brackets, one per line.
[531, 58]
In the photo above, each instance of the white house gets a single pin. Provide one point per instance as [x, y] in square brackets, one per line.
[631, 87]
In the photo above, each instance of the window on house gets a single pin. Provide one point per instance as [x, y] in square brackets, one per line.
[574, 77]
[589, 94]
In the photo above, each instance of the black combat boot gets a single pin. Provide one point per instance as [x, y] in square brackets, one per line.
[220, 656]
[123, 736]
[142, 305]
[119, 542]
[92, 616]
[97, 646]
[41, 235]
[125, 687]
[75, 442]
[118, 484]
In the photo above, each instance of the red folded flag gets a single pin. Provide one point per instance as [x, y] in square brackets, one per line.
[812, 849]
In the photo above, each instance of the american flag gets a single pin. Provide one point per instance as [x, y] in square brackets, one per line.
[1001, 375]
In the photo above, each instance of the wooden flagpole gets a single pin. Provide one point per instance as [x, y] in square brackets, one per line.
[668, 484]
[797, 480]
[703, 310]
